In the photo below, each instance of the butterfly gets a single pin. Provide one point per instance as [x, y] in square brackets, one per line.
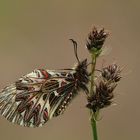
[42, 94]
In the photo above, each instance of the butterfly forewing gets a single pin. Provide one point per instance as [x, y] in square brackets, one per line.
[37, 97]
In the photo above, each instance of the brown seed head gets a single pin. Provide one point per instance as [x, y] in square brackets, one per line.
[111, 73]
[96, 39]
[103, 93]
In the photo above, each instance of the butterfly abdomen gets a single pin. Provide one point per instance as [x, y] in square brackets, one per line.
[66, 101]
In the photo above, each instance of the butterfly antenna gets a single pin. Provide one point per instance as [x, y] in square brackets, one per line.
[75, 49]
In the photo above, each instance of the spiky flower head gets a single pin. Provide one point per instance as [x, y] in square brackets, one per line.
[111, 73]
[96, 39]
[104, 91]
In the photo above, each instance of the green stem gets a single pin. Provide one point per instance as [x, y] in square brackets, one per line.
[92, 73]
[93, 116]
[94, 129]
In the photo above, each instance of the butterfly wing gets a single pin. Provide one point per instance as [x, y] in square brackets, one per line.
[37, 97]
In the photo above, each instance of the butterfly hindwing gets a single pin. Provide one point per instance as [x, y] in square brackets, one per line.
[37, 97]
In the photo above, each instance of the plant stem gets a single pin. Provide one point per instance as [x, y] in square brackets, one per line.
[93, 62]
[93, 115]
[94, 128]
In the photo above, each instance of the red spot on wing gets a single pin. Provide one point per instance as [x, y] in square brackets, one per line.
[45, 115]
[45, 73]
[63, 83]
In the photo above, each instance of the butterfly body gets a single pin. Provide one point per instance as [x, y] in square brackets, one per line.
[42, 94]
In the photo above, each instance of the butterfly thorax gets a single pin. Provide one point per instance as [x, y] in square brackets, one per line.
[81, 75]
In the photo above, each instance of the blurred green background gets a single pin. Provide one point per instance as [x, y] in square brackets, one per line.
[34, 34]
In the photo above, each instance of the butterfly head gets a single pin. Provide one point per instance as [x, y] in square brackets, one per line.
[82, 65]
